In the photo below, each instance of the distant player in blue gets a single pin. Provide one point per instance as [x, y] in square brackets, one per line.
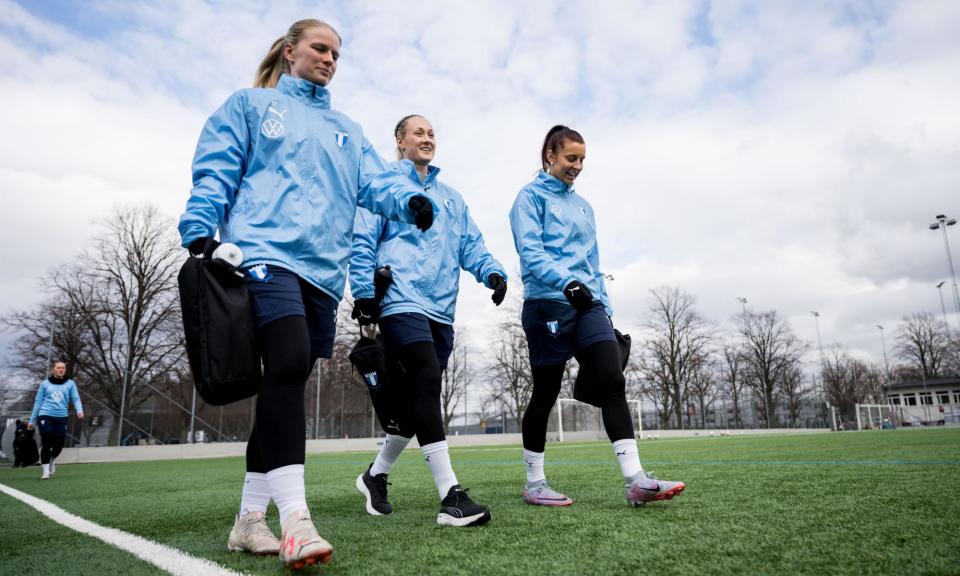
[416, 317]
[50, 411]
[280, 174]
[566, 314]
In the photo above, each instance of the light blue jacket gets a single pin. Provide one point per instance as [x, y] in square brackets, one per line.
[54, 400]
[280, 175]
[556, 237]
[426, 266]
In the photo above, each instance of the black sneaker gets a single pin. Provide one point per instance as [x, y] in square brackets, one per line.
[375, 489]
[457, 509]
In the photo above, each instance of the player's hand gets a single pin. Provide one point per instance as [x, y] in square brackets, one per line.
[422, 212]
[203, 247]
[499, 287]
[29, 426]
[79, 415]
[365, 311]
[578, 296]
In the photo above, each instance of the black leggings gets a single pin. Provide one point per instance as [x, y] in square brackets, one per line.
[603, 361]
[415, 370]
[279, 432]
[52, 445]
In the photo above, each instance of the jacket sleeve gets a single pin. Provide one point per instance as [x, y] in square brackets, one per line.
[218, 167]
[75, 398]
[38, 402]
[527, 226]
[474, 257]
[384, 191]
[367, 231]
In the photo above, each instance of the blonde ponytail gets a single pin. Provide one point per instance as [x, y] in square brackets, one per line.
[274, 64]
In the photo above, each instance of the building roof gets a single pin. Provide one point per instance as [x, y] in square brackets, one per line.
[930, 383]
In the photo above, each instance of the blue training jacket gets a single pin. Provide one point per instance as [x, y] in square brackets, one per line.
[556, 237]
[54, 400]
[426, 266]
[280, 174]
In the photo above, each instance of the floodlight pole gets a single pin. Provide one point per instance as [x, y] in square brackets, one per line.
[941, 224]
[943, 307]
[193, 414]
[316, 410]
[886, 367]
[123, 406]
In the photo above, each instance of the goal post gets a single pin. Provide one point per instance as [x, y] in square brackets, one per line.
[574, 420]
[879, 416]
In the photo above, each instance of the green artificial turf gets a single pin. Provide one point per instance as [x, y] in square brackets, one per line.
[851, 503]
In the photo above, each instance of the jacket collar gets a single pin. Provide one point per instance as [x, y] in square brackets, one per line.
[407, 167]
[304, 90]
[552, 184]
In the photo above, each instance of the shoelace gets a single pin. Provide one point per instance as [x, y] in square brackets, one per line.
[461, 494]
[381, 480]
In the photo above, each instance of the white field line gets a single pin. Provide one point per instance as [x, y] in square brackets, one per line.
[170, 559]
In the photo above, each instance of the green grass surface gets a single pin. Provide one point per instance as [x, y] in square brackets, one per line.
[852, 503]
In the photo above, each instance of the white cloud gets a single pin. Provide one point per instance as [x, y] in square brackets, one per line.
[792, 153]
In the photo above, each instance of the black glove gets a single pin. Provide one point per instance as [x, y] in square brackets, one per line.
[578, 296]
[499, 287]
[422, 212]
[203, 247]
[366, 311]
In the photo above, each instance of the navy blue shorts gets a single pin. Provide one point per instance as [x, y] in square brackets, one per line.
[406, 328]
[56, 425]
[280, 293]
[555, 331]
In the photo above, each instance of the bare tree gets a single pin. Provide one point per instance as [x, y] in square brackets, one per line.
[794, 393]
[675, 349]
[732, 367]
[115, 311]
[454, 381]
[771, 351]
[848, 381]
[703, 389]
[923, 344]
[510, 367]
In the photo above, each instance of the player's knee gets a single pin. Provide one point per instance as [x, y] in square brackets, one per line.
[291, 369]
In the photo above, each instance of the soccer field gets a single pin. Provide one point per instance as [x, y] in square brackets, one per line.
[849, 503]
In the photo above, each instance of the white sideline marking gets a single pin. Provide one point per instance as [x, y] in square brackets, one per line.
[170, 559]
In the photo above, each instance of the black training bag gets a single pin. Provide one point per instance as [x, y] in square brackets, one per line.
[591, 392]
[369, 358]
[219, 329]
[25, 451]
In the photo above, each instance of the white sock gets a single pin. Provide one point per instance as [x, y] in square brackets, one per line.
[256, 493]
[46, 468]
[628, 457]
[437, 457]
[534, 461]
[393, 445]
[287, 490]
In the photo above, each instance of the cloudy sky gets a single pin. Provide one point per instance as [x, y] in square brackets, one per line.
[792, 153]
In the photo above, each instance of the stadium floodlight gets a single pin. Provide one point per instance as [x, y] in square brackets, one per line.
[816, 322]
[943, 223]
[743, 303]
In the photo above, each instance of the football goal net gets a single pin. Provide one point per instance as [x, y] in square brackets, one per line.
[574, 420]
[879, 416]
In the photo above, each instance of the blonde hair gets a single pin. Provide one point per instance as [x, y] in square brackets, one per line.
[274, 64]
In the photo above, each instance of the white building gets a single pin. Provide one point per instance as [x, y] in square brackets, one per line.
[928, 402]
